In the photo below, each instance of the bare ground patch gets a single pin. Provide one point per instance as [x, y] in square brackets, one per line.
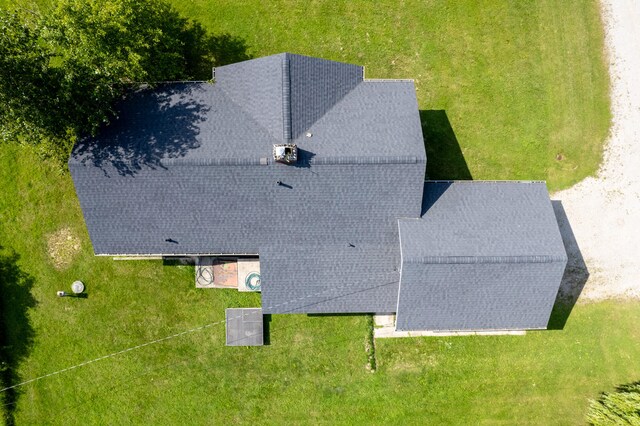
[62, 246]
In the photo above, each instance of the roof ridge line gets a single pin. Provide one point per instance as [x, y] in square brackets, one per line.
[486, 259]
[378, 159]
[286, 98]
[483, 181]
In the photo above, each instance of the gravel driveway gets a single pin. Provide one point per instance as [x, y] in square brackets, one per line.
[604, 211]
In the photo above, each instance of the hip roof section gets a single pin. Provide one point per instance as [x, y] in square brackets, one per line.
[325, 107]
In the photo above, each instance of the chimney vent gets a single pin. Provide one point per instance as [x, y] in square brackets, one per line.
[285, 153]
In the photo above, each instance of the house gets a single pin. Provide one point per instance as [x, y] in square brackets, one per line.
[320, 173]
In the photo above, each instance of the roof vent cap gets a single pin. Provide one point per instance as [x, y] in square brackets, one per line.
[285, 153]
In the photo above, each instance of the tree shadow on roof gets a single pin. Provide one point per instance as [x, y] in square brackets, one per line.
[16, 333]
[575, 274]
[444, 156]
[154, 125]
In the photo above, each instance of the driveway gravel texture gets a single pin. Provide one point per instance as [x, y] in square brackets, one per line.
[604, 211]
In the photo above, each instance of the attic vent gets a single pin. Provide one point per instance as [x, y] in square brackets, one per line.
[285, 153]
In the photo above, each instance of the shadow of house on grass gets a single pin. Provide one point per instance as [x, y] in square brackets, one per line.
[575, 275]
[444, 156]
[16, 333]
[266, 329]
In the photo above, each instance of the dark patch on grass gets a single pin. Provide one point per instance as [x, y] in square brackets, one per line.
[177, 261]
[266, 329]
[77, 296]
[203, 51]
[444, 156]
[370, 345]
[342, 314]
[16, 333]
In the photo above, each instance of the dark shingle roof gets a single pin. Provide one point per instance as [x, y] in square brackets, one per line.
[239, 117]
[484, 255]
[256, 86]
[480, 296]
[187, 169]
[316, 86]
[328, 278]
[183, 171]
[237, 209]
[486, 219]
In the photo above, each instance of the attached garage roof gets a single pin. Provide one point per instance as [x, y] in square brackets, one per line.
[482, 219]
[484, 255]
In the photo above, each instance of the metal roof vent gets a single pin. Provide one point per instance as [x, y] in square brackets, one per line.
[285, 153]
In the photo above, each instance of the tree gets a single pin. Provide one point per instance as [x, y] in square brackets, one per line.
[62, 73]
[621, 407]
[16, 333]
[26, 78]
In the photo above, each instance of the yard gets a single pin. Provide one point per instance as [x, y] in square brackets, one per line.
[507, 91]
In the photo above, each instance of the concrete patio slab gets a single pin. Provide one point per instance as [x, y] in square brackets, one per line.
[244, 327]
[249, 275]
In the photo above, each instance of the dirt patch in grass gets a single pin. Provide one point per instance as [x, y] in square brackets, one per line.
[62, 246]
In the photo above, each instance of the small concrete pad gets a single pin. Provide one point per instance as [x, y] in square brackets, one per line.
[216, 273]
[244, 327]
[249, 275]
[385, 327]
[204, 272]
[225, 273]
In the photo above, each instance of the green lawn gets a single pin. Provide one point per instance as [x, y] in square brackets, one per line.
[504, 87]
[508, 89]
[520, 82]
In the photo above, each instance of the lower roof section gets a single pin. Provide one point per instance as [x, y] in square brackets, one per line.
[484, 255]
[204, 209]
[483, 296]
[348, 278]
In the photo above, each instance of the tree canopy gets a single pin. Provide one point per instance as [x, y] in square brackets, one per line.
[62, 71]
[621, 407]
